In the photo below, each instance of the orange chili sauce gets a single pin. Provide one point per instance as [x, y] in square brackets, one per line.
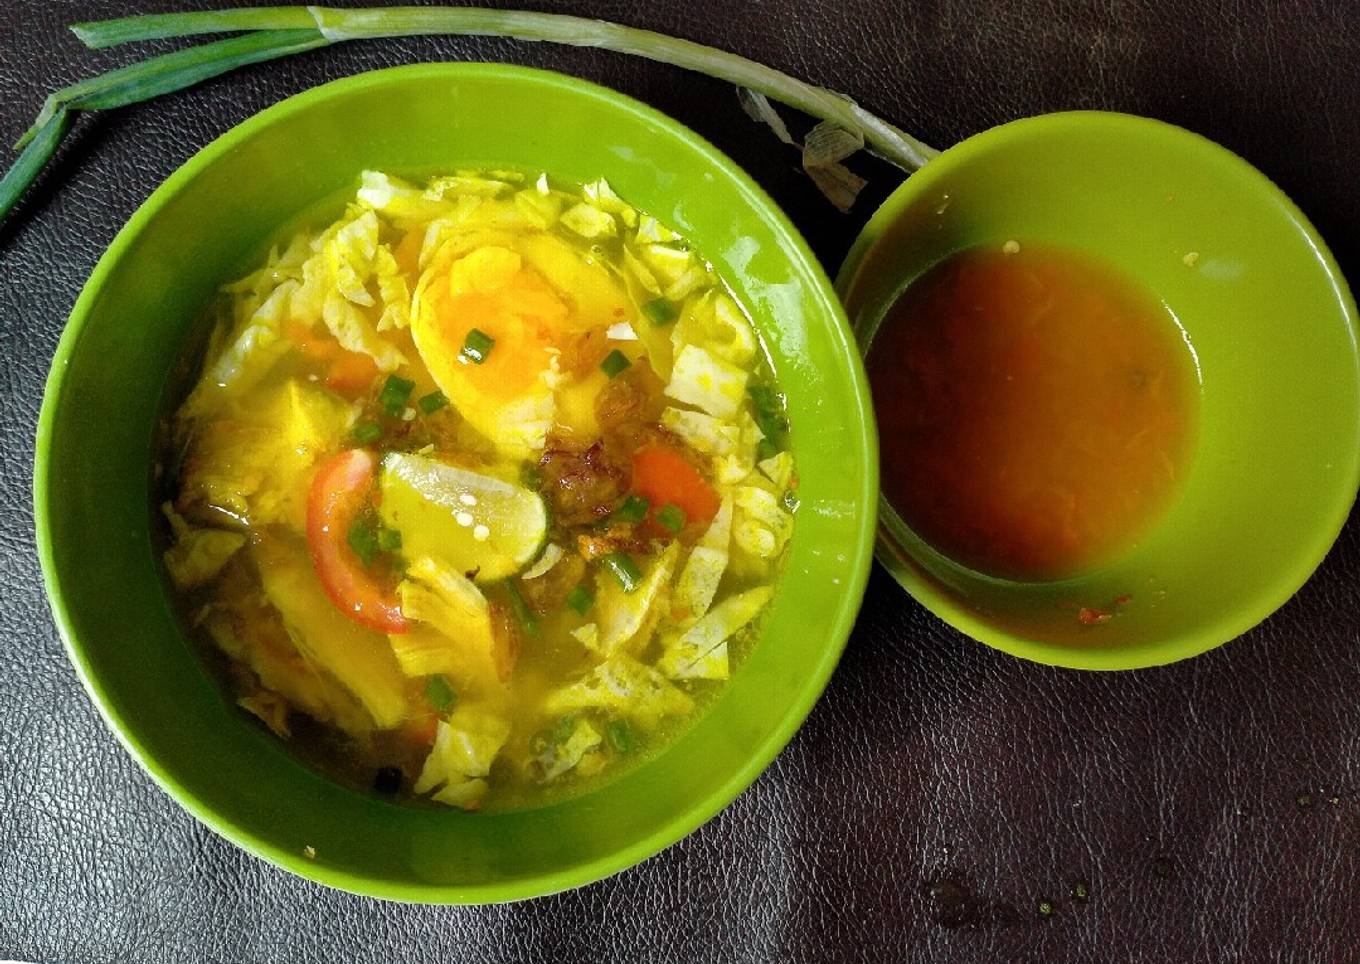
[1036, 409]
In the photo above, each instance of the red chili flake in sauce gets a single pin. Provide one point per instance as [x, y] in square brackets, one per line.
[1093, 617]
[1123, 600]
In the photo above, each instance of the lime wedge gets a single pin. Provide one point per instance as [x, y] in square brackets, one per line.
[470, 521]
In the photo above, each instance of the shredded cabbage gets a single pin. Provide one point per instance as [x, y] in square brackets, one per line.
[626, 619]
[761, 526]
[625, 687]
[701, 652]
[703, 571]
[589, 221]
[463, 644]
[712, 384]
[465, 746]
[778, 469]
[558, 758]
[401, 203]
[715, 322]
[247, 357]
[198, 555]
[703, 433]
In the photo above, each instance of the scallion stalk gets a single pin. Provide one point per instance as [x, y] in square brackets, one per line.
[174, 71]
[39, 151]
[336, 25]
[278, 31]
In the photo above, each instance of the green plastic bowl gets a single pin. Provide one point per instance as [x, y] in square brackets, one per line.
[1271, 323]
[108, 385]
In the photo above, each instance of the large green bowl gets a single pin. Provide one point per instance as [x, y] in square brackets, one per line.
[1273, 329]
[93, 484]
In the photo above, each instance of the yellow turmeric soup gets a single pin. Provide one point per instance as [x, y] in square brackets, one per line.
[481, 491]
[1036, 408]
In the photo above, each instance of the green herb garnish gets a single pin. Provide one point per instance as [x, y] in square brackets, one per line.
[366, 432]
[661, 311]
[625, 570]
[477, 346]
[634, 509]
[528, 622]
[389, 540]
[672, 517]
[619, 735]
[439, 693]
[395, 392]
[282, 30]
[766, 449]
[614, 363]
[580, 600]
[363, 539]
[530, 476]
[433, 402]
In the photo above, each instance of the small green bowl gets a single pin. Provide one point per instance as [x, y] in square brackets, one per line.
[1271, 323]
[93, 486]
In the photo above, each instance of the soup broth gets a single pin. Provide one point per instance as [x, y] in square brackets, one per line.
[482, 490]
[1036, 409]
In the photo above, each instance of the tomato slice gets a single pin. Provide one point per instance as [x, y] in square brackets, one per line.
[337, 496]
[664, 476]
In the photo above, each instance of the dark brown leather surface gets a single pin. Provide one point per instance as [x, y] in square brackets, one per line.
[940, 792]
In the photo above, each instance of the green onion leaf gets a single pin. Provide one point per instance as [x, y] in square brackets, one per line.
[614, 363]
[766, 449]
[366, 432]
[395, 392]
[433, 402]
[625, 570]
[523, 614]
[580, 600]
[672, 517]
[634, 509]
[38, 152]
[439, 693]
[363, 539]
[531, 476]
[477, 346]
[619, 735]
[389, 540]
[173, 71]
[661, 311]
[336, 25]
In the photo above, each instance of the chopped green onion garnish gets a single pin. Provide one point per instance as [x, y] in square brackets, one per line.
[389, 540]
[661, 311]
[766, 449]
[580, 600]
[634, 509]
[366, 432]
[672, 517]
[625, 570]
[791, 501]
[614, 363]
[477, 346]
[439, 693]
[363, 539]
[433, 402]
[530, 477]
[395, 391]
[618, 734]
[523, 614]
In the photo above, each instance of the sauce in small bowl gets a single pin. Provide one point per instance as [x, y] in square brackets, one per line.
[1035, 515]
[1037, 409]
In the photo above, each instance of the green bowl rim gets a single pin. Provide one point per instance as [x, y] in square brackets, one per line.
[899, 562]
[814, 683]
